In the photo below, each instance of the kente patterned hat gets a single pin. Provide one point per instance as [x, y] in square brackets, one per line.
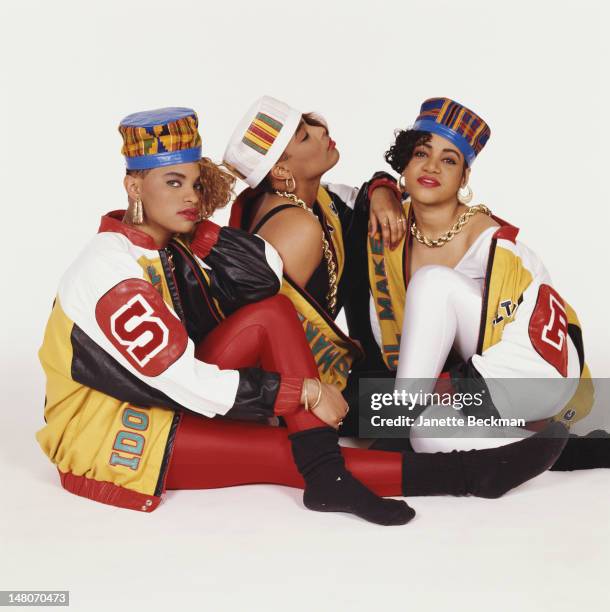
[160, 137]
[449, 119]
[260, 139]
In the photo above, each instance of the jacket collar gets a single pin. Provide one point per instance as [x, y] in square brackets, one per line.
[506, 231]
[112, 222]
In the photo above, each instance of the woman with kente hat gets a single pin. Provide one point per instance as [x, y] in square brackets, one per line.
[461, 297]
[282, 155]
[166, 320]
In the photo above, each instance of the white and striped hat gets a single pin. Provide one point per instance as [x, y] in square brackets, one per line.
[260, 139]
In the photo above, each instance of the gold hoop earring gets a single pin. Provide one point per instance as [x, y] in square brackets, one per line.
[402, 183]
[290, 187]
[137, 214]
[464, 197]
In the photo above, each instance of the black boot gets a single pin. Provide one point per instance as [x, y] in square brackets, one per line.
[484, 473]
[330, 487]
[585, 453]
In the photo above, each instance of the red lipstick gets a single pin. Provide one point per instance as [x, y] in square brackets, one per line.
[331, 144]
[192, 214]
[428, 181]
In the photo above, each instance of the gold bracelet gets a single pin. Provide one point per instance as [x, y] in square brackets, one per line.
[306, 400]
[315, 404]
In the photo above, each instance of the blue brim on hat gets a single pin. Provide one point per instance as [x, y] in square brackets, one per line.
[429, 125]
[145, 162]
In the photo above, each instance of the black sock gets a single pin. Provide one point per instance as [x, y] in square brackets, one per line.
[330, 487]
[399, 444]
[392, 444]
[585, 453]
[484, 473]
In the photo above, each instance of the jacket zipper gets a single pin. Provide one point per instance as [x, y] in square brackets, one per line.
[167, 261]
[211, 307]
[485, 297]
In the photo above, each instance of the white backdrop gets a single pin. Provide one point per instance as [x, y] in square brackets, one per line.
[536, 71]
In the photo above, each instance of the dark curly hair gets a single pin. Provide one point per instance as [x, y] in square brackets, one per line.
[401, 152]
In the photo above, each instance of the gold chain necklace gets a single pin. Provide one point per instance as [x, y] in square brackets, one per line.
[443, 239]
[331, 296]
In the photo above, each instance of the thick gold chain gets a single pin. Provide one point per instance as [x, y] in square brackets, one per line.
[443, 239]
[331, 265]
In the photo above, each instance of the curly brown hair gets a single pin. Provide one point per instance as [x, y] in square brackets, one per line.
[216, 185]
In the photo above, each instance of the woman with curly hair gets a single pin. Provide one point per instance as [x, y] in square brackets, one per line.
[166, 320]
[462, 299]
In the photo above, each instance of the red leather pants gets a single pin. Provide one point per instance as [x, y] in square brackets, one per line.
[211, 453]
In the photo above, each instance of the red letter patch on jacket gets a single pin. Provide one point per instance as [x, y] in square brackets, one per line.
[134, 317]
[548, 329]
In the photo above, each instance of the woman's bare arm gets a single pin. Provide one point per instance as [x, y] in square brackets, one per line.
[297, 237]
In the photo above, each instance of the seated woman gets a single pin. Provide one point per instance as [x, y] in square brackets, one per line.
[282, 155]
[461, 283]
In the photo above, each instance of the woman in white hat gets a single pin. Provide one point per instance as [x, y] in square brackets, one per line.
[282, 155]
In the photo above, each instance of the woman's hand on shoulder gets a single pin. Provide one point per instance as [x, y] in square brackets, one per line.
[297, 237]
[386, 214]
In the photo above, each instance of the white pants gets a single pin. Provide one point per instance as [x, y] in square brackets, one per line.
[443, 310]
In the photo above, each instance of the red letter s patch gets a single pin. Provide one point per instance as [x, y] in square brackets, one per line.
[135, 319]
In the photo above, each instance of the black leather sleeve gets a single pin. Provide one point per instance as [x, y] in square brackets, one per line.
[344, 212]
[92, 366]
[356, 303]
[256, 395]
[240, 273]
[362, 201]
